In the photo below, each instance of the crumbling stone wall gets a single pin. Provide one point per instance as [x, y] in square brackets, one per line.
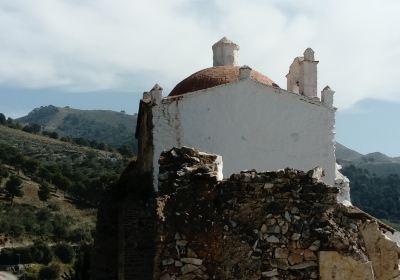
[254, 225]
[257, 225]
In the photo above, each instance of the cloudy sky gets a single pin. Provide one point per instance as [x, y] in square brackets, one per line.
[103, 54]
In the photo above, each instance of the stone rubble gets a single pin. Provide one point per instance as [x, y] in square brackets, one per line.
[254, 225]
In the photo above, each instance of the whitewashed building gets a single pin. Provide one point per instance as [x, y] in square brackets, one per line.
[245, 117]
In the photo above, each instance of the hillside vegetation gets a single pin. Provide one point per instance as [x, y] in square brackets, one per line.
[113, 128]
[81, 172]
[374, 182]
[49, 192]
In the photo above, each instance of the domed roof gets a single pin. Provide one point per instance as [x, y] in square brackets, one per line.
[215, 76]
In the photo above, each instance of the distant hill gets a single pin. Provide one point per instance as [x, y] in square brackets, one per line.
[113, 128]
[374, 182]
[344, 153]
[376, 163]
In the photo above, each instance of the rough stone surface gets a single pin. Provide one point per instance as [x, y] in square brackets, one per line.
[383, 252]
[254, 225]
[335, 266]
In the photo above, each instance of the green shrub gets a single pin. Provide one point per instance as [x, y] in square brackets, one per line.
[80, 235]
[64, 252]
[3, 171]
[60, 225]
[54, 207]
[44, 192]
[41, 253]
[11, 256]
[51, 272]
[17, 229]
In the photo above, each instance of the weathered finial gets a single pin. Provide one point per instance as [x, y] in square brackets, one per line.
[156, 94]
[225, 52]
[327, 97]
[309, 54]
[156, 87]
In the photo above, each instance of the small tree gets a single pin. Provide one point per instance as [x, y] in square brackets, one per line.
[32, 128]
[61, 182]
[3, 171]
[53, 135]
[14, 188]
[3, 119]
[10, 122]
[64, 252]
[18, 161]
[44, 192]
[51, 272]
[41, 253]
[44, 173]
[126, 151]
[30, 166]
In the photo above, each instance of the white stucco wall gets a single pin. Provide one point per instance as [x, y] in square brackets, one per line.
[250, 125]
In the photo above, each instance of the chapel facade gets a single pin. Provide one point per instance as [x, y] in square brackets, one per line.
[244, 116]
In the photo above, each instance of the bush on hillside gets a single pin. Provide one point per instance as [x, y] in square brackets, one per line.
[51, 272]
[3, 119]
[9, 256]
[54, 207]
[377, 195]
[41, 253]
[14, 188]
[32, 128]
[64, 252]
[44, 192]
[3, 171]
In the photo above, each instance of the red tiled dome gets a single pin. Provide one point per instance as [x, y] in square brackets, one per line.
[215, 76]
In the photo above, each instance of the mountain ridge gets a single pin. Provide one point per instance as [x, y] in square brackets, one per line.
[106, 126]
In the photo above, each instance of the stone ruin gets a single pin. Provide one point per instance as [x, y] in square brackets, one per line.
[255, 225]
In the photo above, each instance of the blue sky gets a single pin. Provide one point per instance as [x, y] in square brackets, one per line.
[101, 54]
[370, 126]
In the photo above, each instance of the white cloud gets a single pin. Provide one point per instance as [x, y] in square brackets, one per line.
[100, 44]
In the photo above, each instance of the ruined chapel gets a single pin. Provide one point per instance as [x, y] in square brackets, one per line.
[236, 178]
[244, 116]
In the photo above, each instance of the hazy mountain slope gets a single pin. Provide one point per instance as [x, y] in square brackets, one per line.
[109, 127]
[374, 182]
[376, 163]
[344, 153]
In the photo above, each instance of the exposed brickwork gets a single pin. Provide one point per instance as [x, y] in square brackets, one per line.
[215, 76]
